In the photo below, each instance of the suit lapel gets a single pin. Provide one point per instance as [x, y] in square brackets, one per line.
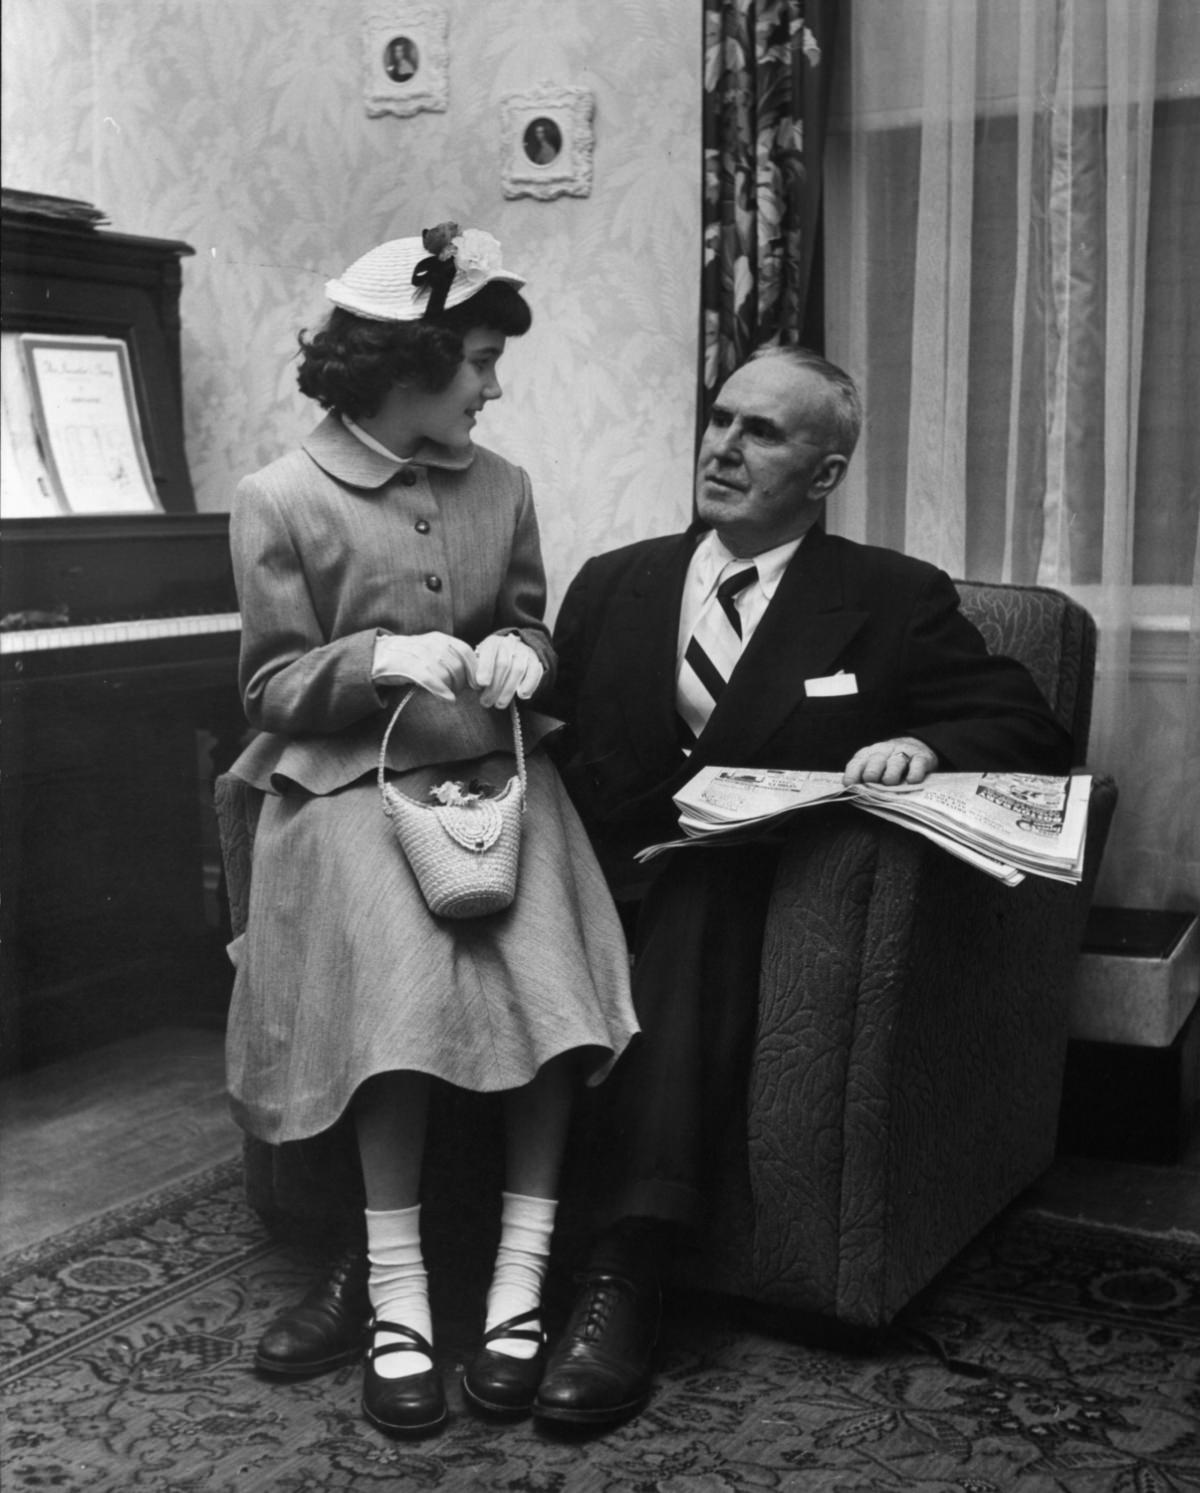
[802, 633]
[646, 623]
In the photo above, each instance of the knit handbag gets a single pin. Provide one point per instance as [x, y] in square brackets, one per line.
[464, 850]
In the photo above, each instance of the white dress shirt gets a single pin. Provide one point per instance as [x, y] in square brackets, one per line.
[710, 562]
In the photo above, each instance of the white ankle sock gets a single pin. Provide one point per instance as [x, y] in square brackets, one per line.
[397, 1286]
[526, 1225]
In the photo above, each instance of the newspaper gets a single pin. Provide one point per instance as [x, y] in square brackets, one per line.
[1007, 824]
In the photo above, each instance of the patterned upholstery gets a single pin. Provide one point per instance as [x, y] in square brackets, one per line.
[1053, 636]
[912, 1035]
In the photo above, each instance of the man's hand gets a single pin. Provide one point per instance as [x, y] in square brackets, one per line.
[903, 760]
[506, 666]
[438, 662]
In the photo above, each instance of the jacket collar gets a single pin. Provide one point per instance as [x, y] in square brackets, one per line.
[646, 618]
[336, 451]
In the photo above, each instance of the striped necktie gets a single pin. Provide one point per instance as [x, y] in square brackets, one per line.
[712, 651]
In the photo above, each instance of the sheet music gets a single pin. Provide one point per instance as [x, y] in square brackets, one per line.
[26, 490]
[87, 421]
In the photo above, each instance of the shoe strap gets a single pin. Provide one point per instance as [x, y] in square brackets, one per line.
[417, 1343]
[512, 1328]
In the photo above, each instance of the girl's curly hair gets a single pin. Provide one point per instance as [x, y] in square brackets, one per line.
[350, 363]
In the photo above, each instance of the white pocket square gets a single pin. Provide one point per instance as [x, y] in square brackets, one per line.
[831, 684]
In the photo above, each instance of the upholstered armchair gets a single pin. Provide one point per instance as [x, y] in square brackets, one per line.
[912, 1034]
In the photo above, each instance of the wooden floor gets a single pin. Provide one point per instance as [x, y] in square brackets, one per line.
[94, 1131]
[91, 1132]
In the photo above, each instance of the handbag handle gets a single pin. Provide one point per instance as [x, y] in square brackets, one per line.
[518, 740]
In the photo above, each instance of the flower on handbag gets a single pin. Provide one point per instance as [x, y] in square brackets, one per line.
[476, 253]
[461, 795]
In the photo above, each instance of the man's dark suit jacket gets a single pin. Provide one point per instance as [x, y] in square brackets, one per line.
[921, 670]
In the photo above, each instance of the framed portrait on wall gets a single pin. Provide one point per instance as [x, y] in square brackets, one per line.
[547, 142]
[405, 55]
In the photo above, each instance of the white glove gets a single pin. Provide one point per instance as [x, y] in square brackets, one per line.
[435, 661]
[506, 666]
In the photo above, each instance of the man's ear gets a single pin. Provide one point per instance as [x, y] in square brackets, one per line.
[829, 473]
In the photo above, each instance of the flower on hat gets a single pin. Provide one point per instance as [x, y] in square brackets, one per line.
[439, 241]
[476, 253]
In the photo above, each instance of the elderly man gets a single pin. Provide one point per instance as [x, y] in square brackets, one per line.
[754, 639]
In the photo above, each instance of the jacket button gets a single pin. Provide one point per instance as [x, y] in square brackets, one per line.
[433, 582]
[408, 477]
[422, 526]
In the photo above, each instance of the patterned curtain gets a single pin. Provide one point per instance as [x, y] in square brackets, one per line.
[766, 64]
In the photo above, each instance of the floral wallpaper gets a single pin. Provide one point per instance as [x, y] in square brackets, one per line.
[240, 126]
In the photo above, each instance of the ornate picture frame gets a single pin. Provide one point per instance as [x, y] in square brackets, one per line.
[405, 56]
[547, 142]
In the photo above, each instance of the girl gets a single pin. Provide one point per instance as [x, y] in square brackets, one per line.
[391, 551]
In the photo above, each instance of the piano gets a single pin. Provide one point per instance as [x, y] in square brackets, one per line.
[119, 638]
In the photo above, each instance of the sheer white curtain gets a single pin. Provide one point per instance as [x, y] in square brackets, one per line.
[1013, 265]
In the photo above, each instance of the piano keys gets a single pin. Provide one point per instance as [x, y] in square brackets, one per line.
[86, 598]
[101, 634]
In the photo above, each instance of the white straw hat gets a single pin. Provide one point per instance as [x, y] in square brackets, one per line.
[397, 281]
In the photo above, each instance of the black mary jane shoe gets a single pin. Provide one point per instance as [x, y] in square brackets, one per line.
[410, 1405]
[500, 1383]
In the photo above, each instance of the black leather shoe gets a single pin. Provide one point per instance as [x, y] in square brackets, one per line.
[600, 1370]
[500, 1383]
[407, 1406]
[328, 1327]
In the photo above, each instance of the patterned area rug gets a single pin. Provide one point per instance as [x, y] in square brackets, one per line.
[1049, 1356]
